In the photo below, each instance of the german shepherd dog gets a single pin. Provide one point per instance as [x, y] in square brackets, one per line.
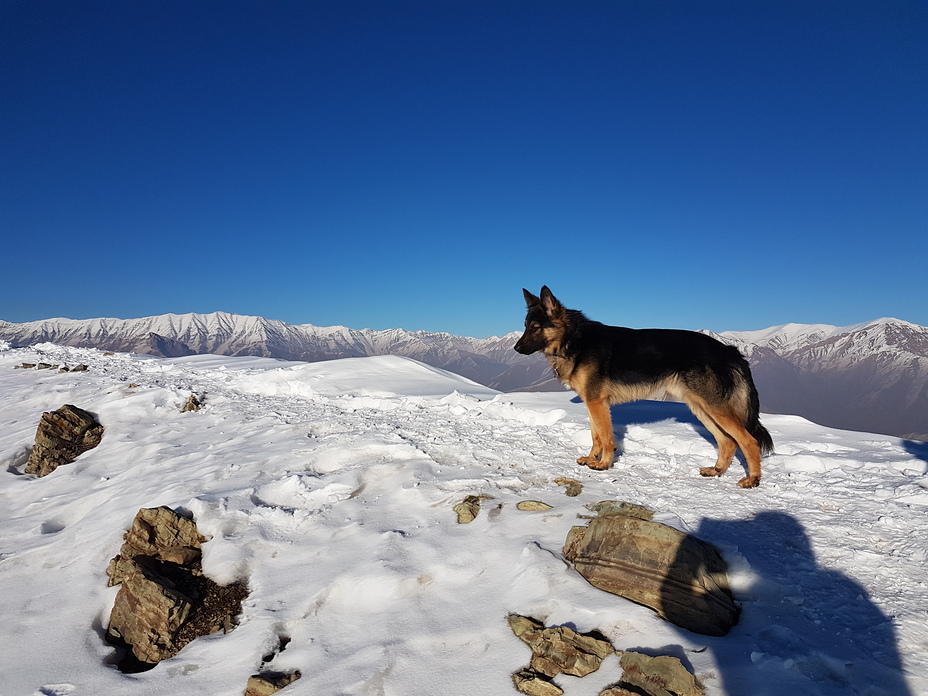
[613, 365]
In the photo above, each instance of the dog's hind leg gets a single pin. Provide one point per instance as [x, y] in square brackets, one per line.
[603, 451]
[726, 443]
[732, 425]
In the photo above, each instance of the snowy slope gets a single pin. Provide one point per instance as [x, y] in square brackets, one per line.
[488, 360]
[329, 488]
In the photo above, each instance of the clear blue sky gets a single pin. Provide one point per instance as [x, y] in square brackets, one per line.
[722, 165]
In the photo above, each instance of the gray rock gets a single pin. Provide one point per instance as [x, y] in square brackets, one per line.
[62, 436]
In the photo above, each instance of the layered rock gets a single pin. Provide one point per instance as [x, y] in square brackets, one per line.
[62, 436]
[164, 600]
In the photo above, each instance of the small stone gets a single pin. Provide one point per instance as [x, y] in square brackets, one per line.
[574, 487]
[79, 368]
[193, 403]
[25, 366]
[470, 508]
[532, 506]
[529, 682]
[268, 683]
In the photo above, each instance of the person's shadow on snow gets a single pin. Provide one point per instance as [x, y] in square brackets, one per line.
[916, 448]
[804, 629]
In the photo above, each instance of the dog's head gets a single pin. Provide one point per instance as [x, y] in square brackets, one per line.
[544, 316]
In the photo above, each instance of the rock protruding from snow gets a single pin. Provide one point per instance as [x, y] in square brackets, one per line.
[684, 579]
[556, 650]
[662, 675]
[194, 403]
[62, 436]
[268, 683]
[468, 509]
[164, 600]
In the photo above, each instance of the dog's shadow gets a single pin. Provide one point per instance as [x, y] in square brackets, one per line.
[648, 412]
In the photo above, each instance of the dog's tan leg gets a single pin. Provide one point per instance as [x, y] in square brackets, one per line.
[603, 451]
[731, 424]
[726, 443]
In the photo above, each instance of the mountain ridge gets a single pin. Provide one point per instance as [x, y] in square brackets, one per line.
[871, 376]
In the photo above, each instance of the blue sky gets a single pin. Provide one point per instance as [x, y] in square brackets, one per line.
[725, 165]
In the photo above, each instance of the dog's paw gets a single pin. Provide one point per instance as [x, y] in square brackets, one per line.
[595, 463]
[749, 482]
[710, 471]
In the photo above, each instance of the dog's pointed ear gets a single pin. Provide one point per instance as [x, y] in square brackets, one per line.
[530, 299]
[549, 302]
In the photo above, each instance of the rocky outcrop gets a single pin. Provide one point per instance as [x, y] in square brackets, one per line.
[662, 675]
[555, 650]
[194, 403]
[164, 600]
[560, 649]
[682, 578]
[62, 436]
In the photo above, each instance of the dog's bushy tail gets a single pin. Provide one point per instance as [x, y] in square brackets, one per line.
[752, 420]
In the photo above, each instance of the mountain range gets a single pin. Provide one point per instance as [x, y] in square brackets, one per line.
[870, 377]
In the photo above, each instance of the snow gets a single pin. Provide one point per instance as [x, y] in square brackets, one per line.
[329, 487]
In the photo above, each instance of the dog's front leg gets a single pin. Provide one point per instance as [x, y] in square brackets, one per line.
[603, 451]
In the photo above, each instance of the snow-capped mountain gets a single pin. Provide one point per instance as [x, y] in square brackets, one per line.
[490, 361]
[870, 377]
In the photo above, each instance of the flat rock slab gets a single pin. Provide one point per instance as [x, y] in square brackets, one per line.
[684, 579]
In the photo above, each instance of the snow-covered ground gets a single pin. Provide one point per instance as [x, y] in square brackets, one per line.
[329, 488]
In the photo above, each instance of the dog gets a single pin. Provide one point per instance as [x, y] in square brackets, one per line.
[613, 365]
